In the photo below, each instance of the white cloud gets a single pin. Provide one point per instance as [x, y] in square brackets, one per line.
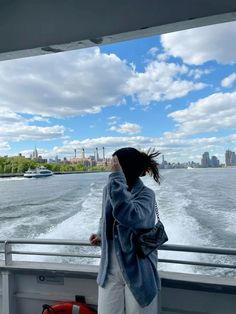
[4, 145]
[161, 81]
[72, 83]
[153, 51]
[168, 107]
[21, 131]
[14, 127]
[39, 118]
[199, 45]
[126, 127]
[212, 113]
[113, 120]
[85, 81]
[110, 143]
[197, 73]
[8, 116]
[229, 80]
[176, 149]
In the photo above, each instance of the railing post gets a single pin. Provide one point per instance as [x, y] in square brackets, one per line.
[159, 297]
[8, 304]
[7, 252]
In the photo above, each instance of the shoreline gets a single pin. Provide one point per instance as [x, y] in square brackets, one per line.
[12, 175]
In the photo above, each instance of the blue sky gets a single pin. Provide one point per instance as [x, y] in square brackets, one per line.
[175, 92]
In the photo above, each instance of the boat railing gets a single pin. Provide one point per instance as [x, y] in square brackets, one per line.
[12, 247]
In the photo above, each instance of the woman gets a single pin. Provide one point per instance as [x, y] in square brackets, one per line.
[127, 283]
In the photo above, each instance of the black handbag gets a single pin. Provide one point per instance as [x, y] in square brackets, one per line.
[148, 240]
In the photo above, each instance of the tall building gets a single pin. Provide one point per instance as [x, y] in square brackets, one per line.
[83, 153]
[35, 154]
[96, 155]
[206, 162]
[233, 159]
[215, 161]
[230, 158]
[163, 159]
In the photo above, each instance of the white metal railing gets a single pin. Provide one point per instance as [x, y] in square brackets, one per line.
[8, 251]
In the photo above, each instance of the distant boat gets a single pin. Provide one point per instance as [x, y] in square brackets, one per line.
[38, 172]
[189, 168]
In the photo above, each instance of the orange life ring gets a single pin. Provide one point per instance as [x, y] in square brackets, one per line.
[67, 307]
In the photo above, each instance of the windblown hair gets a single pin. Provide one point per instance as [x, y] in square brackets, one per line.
[136, 164]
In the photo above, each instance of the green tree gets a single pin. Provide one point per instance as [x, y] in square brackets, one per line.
[7, 168]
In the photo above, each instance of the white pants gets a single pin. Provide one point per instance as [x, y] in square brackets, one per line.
[115, 297]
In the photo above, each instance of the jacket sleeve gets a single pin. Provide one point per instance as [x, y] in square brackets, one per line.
[99, 231]
[132, 212]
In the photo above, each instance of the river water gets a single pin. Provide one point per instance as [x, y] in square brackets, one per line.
[197, 207]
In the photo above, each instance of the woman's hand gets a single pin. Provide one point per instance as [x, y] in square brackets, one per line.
[115, 165]
[95, 239]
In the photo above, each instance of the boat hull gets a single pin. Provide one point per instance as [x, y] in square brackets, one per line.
[38, 175]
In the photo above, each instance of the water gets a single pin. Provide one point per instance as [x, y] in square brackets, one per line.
[197, 207]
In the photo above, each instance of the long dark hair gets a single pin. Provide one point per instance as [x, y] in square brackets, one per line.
[136, 164]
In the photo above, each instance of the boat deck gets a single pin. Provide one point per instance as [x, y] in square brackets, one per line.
[26, 285]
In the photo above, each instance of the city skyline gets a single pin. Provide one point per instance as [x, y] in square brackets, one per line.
[99, 156]
[167, 92]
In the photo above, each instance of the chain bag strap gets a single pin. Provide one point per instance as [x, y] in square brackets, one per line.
[148, 240]
[157, 211]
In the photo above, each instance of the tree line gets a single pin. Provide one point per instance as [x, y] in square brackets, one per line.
[19, 164]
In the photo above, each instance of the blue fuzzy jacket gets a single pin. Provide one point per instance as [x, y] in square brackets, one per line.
[131, 210]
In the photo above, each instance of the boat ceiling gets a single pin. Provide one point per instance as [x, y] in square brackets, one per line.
[29, 28]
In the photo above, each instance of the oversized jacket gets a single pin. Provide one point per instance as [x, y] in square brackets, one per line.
[131, 210]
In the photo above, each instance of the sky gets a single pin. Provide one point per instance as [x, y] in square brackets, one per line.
[175, 93]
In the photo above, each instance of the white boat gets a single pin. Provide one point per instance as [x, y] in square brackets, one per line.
[39, 172]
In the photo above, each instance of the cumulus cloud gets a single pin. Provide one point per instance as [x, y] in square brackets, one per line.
[40, 119]
[85, 81]
[4, 145]
[126, 127]
[76, 83]
[175, 149]
[113, 120]
[153, 51]
[14, 127]
[109, 142]
[31, 132]
[168, 107]
[199, 45]
[197, 73]
[212, 113]
[8, 116]
[20, 131]
[67, 84]
[229, 80]
[161, 81]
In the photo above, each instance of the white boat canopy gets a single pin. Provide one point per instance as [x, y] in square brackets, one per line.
[29, 28]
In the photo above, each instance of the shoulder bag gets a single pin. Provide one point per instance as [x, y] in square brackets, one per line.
[148, 240]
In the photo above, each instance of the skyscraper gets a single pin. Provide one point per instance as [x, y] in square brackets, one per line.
[233, 159]
[230, 158]
[206, 162]
[215, 161]
[35, 154]
[96, 155]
